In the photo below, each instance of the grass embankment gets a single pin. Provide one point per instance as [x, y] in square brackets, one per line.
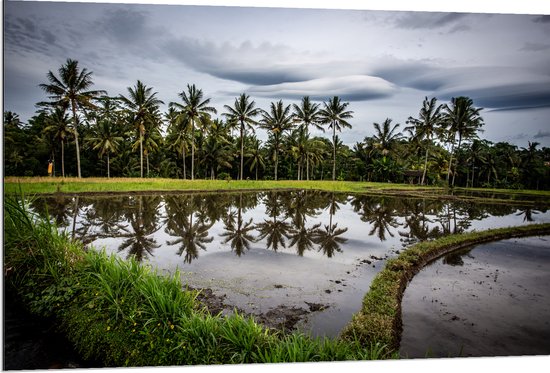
[380, 316]
[122, 313]
[44, 185]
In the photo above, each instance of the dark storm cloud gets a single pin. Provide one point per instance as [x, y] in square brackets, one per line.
[430, 21]
[535, 47]
[541, 134]
[542, 19]
[245, 63]
[498, 88]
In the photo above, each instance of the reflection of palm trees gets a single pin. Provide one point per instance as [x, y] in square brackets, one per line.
[527, 213]
[238, 233]
[275, 230]
[329, 239]
[378, 212]
[191, 235]
[55, 208]
[299, 209]
[417, 222]
[142, 215]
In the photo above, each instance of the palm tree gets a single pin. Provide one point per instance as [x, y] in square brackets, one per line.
[194, 110]
[142, 105]
[57, 124]
[177, 136]
[255, 156]
[105, 138]
[216, 148]
[69, 90]
[277, 122]
[335, 115]
[385, 137]
[425, 126]
[241, 114]
[308, 115]
[462, 119]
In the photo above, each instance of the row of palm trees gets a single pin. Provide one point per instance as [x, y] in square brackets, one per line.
[432, 143]
[140, 107]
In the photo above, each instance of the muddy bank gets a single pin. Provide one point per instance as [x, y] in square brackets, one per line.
[492, 300]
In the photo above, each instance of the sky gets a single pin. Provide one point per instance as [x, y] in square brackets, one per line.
[384, 63]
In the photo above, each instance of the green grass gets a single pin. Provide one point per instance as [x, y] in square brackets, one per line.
[40, 185]
[48, 185]
[122, 313]
[380, 315]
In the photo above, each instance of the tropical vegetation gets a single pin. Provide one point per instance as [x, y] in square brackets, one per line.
[130, 136]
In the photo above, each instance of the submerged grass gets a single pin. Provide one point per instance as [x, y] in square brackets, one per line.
[122, 313]
[380, 316]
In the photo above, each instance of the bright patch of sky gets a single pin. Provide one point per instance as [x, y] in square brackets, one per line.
[382, 62]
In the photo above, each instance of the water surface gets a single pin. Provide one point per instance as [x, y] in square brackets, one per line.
[264, 250]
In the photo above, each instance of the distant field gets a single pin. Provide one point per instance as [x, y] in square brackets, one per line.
[42, 185]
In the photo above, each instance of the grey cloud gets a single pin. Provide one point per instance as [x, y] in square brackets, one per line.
[257, 65]
[124, 25]
[542, 19]
[492, 87]
[540, 134]
[535, 47]
[349, 88]
[429, 20]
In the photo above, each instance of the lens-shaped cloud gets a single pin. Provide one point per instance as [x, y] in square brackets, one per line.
[349, 88]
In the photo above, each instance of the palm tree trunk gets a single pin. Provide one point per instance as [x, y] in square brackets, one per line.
[450, 162]
[192, 149]
[307, 167]
[108, 171]
[147, 158]
[141, 153]
[242, 149]
[62, 159]
[456, 159]
[334, 152]
[276, 158]
[183, 161]
[256, 173]
[425, 167]
[73, 107]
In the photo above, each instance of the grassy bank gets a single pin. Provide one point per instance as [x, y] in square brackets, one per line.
[39, 185]
[125, 314]
[380, 316]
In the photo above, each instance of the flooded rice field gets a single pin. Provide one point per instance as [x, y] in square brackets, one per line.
[296, 260]
[489, 300]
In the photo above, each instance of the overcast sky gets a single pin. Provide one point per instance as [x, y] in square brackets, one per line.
[382, 62]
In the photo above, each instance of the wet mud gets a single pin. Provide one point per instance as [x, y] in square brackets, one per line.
[492, 300]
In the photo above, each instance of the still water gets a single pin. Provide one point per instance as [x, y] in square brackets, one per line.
[263, 251]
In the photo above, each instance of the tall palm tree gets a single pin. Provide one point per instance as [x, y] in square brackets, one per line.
[196, 111]
[70, 90]
[464, 120]
[177, 136]
[425, 126]
[255, 156]
[276, 122]
[142, 105]
[386, 136]
[241, 114]
[307, 114]
[335, 115]
[57, 124]
[105, 138]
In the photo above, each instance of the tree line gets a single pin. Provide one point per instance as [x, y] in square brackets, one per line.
[85, 132]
